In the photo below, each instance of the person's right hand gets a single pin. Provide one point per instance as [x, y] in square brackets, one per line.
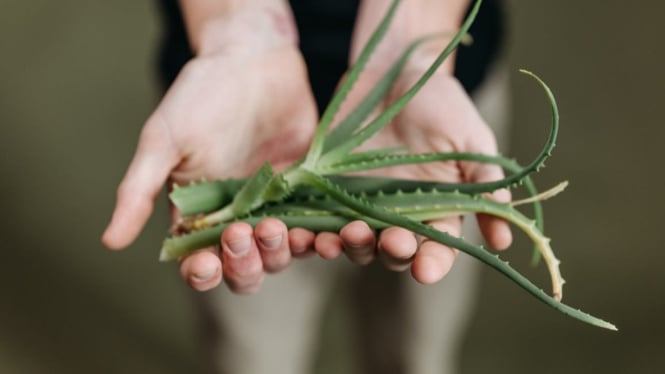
[230, 110]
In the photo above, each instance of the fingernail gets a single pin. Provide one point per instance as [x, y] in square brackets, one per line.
[271, 243]
[240, 246]
[205, 275]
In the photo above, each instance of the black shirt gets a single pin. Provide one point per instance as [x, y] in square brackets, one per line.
[325, 28]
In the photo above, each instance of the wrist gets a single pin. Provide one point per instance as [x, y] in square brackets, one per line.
[238, 26]
[412, 20]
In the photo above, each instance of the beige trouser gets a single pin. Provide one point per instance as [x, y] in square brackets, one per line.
[416, 328]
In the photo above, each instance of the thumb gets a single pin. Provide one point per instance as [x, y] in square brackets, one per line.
[156, 155]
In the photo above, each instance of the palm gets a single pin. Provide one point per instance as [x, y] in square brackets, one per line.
[227, 118]
[440, 118]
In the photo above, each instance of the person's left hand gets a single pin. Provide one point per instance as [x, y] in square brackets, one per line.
[440, 118]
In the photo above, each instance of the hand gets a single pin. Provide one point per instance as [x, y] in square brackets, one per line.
[225, 115]
[441, 118]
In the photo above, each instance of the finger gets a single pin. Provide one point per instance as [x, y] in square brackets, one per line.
[241, 261]
[155, 157]
[328, 245]
[301, 242]
[202, 270]
[359, 242]
[496, 231]
[272, 239]
[396, 248]
[434, 260]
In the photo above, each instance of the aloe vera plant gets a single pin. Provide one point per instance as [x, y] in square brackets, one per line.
[313, 193]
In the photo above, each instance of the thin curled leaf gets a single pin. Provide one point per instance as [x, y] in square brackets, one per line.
[336, 102]
[386, 116]
[356, 118]
[479, 253]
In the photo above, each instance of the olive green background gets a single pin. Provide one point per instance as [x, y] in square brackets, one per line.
[77, 81]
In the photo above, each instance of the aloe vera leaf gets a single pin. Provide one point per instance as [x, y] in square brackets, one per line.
[199, 197]
[545, 195]
[380, 162]
[249, 197]
[386, 116]
[356, 118]
[548, 148]
[480, 253]
[362, 156]
[333, 107]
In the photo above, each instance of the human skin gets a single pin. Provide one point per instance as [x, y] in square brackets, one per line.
[245, 99]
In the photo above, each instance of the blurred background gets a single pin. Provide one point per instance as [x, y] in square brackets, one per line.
[77, 82]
